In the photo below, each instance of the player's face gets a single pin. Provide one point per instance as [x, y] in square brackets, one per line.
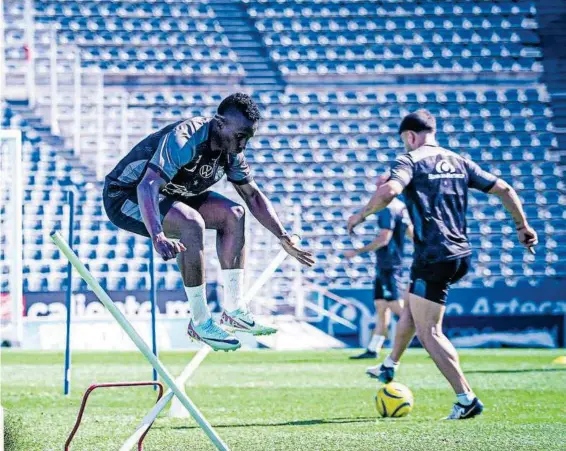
[236, 131]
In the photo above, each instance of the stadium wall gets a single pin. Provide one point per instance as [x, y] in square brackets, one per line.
[502, 316]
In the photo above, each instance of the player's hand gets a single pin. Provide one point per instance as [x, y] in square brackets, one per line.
[350, 254]
[290, 244]
[167, 248]
[353, 221]
[528, 237]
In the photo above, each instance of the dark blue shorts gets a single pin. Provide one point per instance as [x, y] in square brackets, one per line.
[122, 207]
[388, 284]
[431, 281]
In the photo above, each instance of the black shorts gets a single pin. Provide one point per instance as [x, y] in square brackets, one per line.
[431, 281]
[388, 284]
[122, 207]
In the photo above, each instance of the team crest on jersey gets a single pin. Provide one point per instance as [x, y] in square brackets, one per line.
[206, 171]
[445, 170]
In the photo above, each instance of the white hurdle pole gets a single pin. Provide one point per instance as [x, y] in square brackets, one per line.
[135, 337]
[177, 410]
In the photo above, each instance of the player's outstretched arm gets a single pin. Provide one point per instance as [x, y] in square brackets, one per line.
[148, 192]
[262, 209]
[512, 203]
[380, 199]
[382, 240]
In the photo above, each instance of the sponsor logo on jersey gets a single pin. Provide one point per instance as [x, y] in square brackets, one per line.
[206, 171]
[445, 170]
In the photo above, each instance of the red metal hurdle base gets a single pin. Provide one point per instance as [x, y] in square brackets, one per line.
[109, 385]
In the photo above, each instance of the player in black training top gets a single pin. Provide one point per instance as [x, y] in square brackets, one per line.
[161, 190]
[435, 182]
[394, 223]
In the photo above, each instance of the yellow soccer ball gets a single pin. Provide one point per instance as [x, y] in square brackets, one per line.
[394, 400]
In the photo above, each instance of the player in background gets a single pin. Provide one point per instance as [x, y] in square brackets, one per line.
[394, 223]
[160, 190]
[435, 182]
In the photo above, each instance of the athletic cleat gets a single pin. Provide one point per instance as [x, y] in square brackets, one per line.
[384, 373]
[213, 335]
[460, 412]
[240, 321]
[367, 354]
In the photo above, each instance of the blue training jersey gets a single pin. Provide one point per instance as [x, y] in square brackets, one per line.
[395, 218]
[436, 183]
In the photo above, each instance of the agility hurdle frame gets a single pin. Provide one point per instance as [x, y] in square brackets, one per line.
[138, 341]
[157, 385]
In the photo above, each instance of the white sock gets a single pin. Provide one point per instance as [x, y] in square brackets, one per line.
[233, 289]
[197, 303]
[390, 363]
[376, 343]
[466, 398]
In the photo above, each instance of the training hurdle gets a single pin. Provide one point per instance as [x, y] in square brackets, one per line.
[178, 409]
[138, 341]
[93, 387]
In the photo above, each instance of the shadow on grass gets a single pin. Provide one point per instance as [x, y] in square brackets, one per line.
[283, 423]
[528, 370]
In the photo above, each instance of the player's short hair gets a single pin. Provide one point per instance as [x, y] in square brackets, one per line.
[419, 121]
[241, 102]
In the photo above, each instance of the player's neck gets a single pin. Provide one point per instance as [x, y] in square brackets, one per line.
[429, 140]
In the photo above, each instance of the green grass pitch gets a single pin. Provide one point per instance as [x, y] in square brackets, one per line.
[266, 400]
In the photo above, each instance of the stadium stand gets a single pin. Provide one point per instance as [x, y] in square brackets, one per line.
[318, 146]
[128, 38]
[327, 40]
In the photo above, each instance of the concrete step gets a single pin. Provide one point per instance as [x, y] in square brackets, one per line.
[262, 81]
[247, 43]
[240, 37]
[234, 22]
[250, 59]
[257, 66]
[246, 52]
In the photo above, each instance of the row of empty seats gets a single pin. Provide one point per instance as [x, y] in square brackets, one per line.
[261, 8]
[360, 39]
[169, 38]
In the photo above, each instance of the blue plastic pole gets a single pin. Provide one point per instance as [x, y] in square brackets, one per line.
[68, 297]
[153, 300]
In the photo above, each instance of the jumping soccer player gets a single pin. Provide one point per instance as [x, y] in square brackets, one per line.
[394, 223]
[436, 182]
[160, 190]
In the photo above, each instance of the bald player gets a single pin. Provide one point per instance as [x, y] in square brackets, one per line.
[161, 190]
[435, 182]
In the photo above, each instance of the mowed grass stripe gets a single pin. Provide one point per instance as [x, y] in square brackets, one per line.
[269, 400]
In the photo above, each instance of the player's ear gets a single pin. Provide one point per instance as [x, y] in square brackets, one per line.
[220, 120]
[412, 138]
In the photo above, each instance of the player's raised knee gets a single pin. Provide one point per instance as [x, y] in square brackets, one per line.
[237, 212]
[235, 215]
[187, 222]
[193, 224]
